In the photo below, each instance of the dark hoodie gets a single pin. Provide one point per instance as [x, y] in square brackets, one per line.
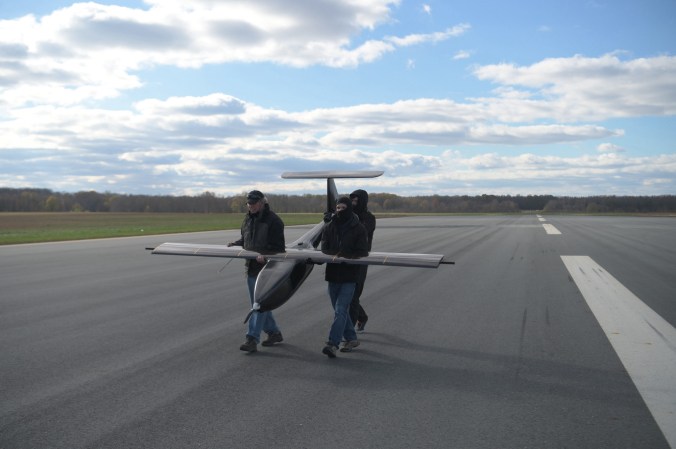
[365, 216]
[345, 236]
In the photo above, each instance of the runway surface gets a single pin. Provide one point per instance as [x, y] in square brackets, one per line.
[106, 346]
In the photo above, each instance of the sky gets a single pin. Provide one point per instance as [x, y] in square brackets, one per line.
[472, 97]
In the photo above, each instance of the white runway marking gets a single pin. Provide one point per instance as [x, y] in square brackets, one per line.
[542, 219]
[551, 229]
[644, 341]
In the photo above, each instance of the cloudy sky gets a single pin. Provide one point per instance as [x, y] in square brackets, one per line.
[563, 97]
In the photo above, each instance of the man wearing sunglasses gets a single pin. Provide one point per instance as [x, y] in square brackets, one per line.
[263, 231]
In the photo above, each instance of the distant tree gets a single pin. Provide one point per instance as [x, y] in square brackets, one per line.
[35, 200]
[237, 204]
[53, 204]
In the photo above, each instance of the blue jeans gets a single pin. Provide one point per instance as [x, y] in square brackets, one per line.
[259, 321]
[342, 327]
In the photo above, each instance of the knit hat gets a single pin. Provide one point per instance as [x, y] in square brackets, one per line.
[346, 201]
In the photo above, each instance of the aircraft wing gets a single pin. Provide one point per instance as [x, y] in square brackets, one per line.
[381, 258]
[308, 255]
[196, 249]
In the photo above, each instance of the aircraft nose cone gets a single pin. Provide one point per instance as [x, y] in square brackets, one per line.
[277, 282]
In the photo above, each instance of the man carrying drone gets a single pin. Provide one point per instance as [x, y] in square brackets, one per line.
[344, 235]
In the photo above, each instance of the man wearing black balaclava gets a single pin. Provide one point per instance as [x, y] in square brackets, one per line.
[360, 200]
[344, 236]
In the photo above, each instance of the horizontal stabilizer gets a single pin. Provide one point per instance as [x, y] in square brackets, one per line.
[308, 255]
[331, 174]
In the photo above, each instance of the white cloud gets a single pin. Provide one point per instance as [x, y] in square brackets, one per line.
[54, 68]
[667, 182]
[584, 88]
[226, 171]
[416, 39]
[462, 54]
[214, 142]
[172, 135]
[89, 51]
[610, 148]
[584, 175]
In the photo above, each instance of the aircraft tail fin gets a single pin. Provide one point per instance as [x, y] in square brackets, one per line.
[329, 175]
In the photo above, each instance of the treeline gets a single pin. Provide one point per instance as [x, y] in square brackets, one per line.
[45, 200]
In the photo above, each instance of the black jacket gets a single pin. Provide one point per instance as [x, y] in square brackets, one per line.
[346, 240]
[365, 216]
[262, 232]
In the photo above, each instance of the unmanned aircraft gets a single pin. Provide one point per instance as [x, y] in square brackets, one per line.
[284, 272]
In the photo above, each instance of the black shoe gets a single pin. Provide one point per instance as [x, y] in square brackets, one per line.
[329, 350]
[361, 325]
[249, 345]
[273, 338]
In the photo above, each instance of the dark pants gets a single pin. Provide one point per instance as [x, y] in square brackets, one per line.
[357, 312]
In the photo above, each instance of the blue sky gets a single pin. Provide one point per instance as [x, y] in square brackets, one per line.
[448, 97]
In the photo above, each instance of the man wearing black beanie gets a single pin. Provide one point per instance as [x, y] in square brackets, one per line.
[344, 236]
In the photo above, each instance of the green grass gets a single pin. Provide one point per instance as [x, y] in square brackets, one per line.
[33, 227]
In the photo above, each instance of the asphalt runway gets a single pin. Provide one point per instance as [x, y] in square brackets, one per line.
[106, 346]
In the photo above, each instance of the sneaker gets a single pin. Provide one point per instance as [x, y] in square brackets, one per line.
[273, 338]
[329, 350]
[249, 345]
[360, 326]
[348, 346]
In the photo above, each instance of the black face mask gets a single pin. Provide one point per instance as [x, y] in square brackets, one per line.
[343, 215]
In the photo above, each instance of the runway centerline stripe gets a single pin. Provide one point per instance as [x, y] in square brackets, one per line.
[551, 229]
[643, 340]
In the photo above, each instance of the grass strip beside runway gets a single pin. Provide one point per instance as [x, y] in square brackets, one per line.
[34, 227]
